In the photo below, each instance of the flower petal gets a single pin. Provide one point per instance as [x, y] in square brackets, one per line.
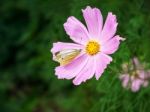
[136, 61]
[109, 28]
[125, 80]
[76, 30]
[94, 21]
[102, 61]
[111, 45]
[135, 86]
[145, 83]
[72, 69]
[142, 74]
[62, 46]
[86, 73]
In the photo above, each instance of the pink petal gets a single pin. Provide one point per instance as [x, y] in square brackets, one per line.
[142, 74]
[94, 21]
[111, 45]
[72, 69]
[136, 61]
[62, 46]
[109, 28]
[135, 86]
[145, 83]
[125, 80]
[102, 61]
[76, 30]
[86, 73]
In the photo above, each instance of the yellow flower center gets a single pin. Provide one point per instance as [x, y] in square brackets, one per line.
[92, 48]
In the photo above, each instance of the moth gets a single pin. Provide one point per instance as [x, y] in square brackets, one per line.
[64, 57]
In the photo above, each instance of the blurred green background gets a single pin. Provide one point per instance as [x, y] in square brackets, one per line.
[27, 80]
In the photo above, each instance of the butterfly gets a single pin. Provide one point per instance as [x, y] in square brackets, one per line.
[64, 57]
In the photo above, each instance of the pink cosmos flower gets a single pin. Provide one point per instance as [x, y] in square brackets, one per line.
[134, 75]
[89, 55]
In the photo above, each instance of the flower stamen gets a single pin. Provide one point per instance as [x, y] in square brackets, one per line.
[92, 48]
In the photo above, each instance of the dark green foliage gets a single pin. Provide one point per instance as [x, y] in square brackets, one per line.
[27, 80]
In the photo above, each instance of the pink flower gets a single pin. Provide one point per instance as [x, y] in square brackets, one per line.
[89, 55]
[134, 75]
